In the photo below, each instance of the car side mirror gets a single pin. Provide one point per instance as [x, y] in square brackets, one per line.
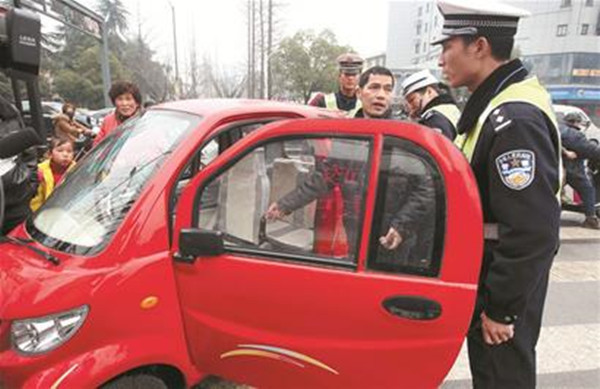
[196, 242]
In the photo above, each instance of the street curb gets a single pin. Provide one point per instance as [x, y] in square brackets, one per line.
[580, 240]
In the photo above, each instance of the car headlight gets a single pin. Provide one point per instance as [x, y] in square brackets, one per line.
[42, 334]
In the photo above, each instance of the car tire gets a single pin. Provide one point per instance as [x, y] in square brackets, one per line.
[137, 381]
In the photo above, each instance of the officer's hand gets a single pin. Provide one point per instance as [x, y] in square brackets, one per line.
[391, 240]
[274, 213]
[495, 333]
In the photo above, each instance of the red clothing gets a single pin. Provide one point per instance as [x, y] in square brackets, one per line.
[108, 125]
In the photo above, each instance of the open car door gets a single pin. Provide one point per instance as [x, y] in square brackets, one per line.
[265, 304]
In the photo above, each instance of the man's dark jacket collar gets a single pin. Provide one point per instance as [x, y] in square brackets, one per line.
[507, 74]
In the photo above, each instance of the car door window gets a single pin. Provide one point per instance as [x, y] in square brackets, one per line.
[208, 152]
[300, 199]
[411, 209]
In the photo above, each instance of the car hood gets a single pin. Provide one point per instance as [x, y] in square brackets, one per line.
[32, 286]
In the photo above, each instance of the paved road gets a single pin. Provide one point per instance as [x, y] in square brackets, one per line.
[569, 345]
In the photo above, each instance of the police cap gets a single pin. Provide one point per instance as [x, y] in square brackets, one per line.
[418, 80]
[350, 63]
[485, 18]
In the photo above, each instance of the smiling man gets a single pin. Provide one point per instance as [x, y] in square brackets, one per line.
[375, 92]
[510, 136]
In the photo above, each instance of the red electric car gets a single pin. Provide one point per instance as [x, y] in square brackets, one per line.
[153, 264]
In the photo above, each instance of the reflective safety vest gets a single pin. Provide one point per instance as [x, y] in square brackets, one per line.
[449, 111]
[527, 91]
[331, 103]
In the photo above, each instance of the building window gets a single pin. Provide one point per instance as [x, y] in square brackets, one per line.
[565, 3]
[419, 28]
[561, 30]
[427, 8]
[417, 47]
[424, 47]
[420, 11]
[589, 3]
[584, 29]
[435, 21]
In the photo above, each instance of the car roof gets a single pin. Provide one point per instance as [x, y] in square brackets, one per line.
[566, 108]
[228, 107]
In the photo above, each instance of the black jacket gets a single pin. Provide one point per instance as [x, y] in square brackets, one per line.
[434, 119]
[575, 140]
[413, 193]
[527, 212]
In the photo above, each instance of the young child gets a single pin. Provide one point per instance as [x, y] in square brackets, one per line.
[53, 169]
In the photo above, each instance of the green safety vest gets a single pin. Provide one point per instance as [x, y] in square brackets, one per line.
[527, 91]
[331, 103]
[449, 111]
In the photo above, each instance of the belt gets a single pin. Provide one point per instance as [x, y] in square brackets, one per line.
[490, 231]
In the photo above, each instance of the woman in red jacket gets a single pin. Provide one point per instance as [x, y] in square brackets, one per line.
[127, 99]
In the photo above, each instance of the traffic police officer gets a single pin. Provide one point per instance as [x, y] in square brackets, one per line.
[428, 105]
[345, 99]
[513, 144]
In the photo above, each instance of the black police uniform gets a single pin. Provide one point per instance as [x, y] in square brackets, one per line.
[434, 119]
[577, 178]
[516, 263]
[344, 102]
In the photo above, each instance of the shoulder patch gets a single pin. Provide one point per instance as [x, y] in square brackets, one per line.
[516, 168]
[427, 115]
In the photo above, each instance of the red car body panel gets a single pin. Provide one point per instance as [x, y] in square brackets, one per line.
[318, 327]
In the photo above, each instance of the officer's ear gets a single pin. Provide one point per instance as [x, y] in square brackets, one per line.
[481, 47]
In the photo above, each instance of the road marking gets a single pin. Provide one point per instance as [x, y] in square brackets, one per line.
[561, 349]
[575, 271]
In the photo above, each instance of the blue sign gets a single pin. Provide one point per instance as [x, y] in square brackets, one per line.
[574, 93]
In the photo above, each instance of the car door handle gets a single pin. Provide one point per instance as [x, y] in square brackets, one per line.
[412, 307]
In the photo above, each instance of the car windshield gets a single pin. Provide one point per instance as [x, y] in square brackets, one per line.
[84, 212]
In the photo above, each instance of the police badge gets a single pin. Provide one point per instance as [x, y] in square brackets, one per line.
[516, 168]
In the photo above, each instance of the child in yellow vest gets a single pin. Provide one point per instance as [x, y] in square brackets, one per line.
[51, 171]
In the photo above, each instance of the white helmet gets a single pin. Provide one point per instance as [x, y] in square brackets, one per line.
[418, 81]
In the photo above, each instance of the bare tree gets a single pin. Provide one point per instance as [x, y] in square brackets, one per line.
[263, 26]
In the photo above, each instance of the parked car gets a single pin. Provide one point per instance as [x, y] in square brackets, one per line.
[53, 108]
[152, 264]
[100, 114]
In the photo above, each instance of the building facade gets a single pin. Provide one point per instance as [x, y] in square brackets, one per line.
[559, 42]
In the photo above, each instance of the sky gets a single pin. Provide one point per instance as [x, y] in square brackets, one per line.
[220, 30]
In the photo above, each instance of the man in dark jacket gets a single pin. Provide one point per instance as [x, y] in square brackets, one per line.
[512, 142]
[428, 105]
[574, 140]
[413, 190]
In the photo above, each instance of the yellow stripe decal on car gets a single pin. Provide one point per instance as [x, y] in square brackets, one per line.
[277, 353]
